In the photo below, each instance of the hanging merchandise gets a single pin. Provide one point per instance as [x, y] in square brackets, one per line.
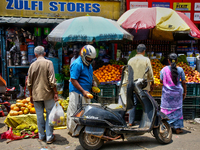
[31, 48]
[46, 31]
[37, 31]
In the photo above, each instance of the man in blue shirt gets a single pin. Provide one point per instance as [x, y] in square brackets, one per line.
[81, 74]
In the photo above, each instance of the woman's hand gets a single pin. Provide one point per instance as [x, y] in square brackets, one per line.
[184, 95]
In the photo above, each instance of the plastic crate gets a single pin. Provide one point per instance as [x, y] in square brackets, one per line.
[189, 113]
[191, 89]
[157, 91]
[198, 89]
[197, 114]
[189, 102]
[105, 101]
[197, 103]
[108, 90]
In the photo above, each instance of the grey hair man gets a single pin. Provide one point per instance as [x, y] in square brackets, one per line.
[43, 93]
[139, 63]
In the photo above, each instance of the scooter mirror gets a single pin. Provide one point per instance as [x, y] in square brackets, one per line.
[147, 69]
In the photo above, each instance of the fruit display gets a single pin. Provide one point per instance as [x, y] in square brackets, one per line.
[109, 73]
[182, 58]
[26, 130]
[157, 67]
[191, 76]
[66, 70]
[116, 62]
[22, 107]
[64, 103]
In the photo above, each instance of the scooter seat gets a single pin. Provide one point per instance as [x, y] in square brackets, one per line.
[120, 111]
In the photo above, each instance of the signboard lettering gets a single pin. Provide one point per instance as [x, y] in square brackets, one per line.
[53, 6]
[60, 8]
[138, 4]
[182, 6]
[161, 4]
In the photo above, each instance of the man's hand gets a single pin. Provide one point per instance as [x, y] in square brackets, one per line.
[56, 97]
[31, 99]
[85, 93]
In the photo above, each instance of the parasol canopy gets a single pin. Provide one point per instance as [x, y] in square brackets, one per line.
[158, 23]
[88, 28]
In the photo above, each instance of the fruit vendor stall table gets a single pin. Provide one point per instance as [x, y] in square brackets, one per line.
[30, 119]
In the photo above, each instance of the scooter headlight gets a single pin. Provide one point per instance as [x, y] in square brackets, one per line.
[79, 114]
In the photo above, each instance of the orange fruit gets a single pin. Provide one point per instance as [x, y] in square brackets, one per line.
[12, 106]
[32, 110]
[16, 108]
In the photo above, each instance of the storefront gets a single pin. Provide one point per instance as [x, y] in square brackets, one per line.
[188, 48]
[28, 22]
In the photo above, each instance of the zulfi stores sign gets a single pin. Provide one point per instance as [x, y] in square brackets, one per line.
[59, 8]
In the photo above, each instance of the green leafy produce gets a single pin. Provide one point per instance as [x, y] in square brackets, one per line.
[182, 58]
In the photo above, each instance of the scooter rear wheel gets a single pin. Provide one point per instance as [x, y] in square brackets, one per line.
[163, 133]
[89, 141]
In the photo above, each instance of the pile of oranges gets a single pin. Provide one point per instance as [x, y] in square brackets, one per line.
[108, 73]
[22, 107]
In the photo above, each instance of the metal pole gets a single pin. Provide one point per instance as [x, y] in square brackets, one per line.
[3, 53]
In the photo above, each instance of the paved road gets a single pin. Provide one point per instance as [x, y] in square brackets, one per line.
[189, 140]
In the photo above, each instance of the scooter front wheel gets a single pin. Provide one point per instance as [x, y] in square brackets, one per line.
[89, 141]
[163, 133]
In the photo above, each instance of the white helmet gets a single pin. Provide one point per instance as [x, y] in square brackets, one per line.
[88, 51]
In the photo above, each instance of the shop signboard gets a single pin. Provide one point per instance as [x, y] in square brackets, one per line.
[161, 4]
[196, 16]
[37, 31]
[182, 6]
[60, 8]
[188, 15]
[138, 4]
[46, 31]
[197, 6]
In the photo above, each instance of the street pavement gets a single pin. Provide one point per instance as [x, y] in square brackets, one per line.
[189, 140]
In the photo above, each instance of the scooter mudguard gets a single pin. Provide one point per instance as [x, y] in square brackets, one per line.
[77, 130]
[98, 116]
[160, 116]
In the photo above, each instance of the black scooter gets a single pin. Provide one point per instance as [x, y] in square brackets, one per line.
[99, 123]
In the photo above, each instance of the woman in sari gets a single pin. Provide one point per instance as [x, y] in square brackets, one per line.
[173, 93]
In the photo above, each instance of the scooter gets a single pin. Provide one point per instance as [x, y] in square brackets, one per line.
[99, 123]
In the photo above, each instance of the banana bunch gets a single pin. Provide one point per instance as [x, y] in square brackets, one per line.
[33, 127]
[17, 132]
[95, 89]
[22, 126]
[65, 103]
[66, 70]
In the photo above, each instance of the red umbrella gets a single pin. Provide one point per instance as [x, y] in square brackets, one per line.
[161, 23]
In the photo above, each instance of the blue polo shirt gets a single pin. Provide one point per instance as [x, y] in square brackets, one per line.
[82, 73]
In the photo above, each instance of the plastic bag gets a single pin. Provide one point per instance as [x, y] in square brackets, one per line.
[56, 116]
